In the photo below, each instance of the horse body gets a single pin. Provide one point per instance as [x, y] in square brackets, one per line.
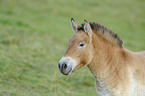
[117, 71]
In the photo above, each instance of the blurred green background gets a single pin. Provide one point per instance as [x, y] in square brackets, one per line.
[34, 34]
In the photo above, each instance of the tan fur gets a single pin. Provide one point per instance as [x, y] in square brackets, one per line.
[119, 71]
[114, 65]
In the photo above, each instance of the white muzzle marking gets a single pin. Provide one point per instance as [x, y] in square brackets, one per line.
[66, 65]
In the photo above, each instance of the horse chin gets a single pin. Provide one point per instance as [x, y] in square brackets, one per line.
[69, 72]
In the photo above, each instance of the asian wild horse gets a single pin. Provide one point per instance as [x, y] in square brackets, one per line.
[117, 71]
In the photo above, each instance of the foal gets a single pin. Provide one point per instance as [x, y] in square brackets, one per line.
[117, 71]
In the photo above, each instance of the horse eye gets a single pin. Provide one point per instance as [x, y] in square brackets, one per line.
[81, 45]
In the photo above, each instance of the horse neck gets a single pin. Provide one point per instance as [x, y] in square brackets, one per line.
[107, 61]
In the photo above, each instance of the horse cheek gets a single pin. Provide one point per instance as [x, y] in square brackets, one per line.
[85, 58]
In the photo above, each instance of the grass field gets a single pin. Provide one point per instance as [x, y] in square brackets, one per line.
[33, 38]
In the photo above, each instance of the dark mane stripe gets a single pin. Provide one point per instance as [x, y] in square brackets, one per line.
[105, 33]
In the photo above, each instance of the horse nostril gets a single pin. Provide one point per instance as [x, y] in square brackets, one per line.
[64, 66]
[58, 65]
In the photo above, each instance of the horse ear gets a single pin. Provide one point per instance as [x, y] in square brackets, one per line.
[87, 27]
[74, 25]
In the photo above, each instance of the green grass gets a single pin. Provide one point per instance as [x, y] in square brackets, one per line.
[33, 37]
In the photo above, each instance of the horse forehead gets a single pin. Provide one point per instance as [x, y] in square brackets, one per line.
[79, 36]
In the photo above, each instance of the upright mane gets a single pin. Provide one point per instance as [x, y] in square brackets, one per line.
[105, 33]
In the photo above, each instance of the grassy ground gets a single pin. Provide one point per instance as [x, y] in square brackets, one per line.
[33, 37]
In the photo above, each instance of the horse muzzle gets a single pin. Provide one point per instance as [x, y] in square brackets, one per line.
[66, 65]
